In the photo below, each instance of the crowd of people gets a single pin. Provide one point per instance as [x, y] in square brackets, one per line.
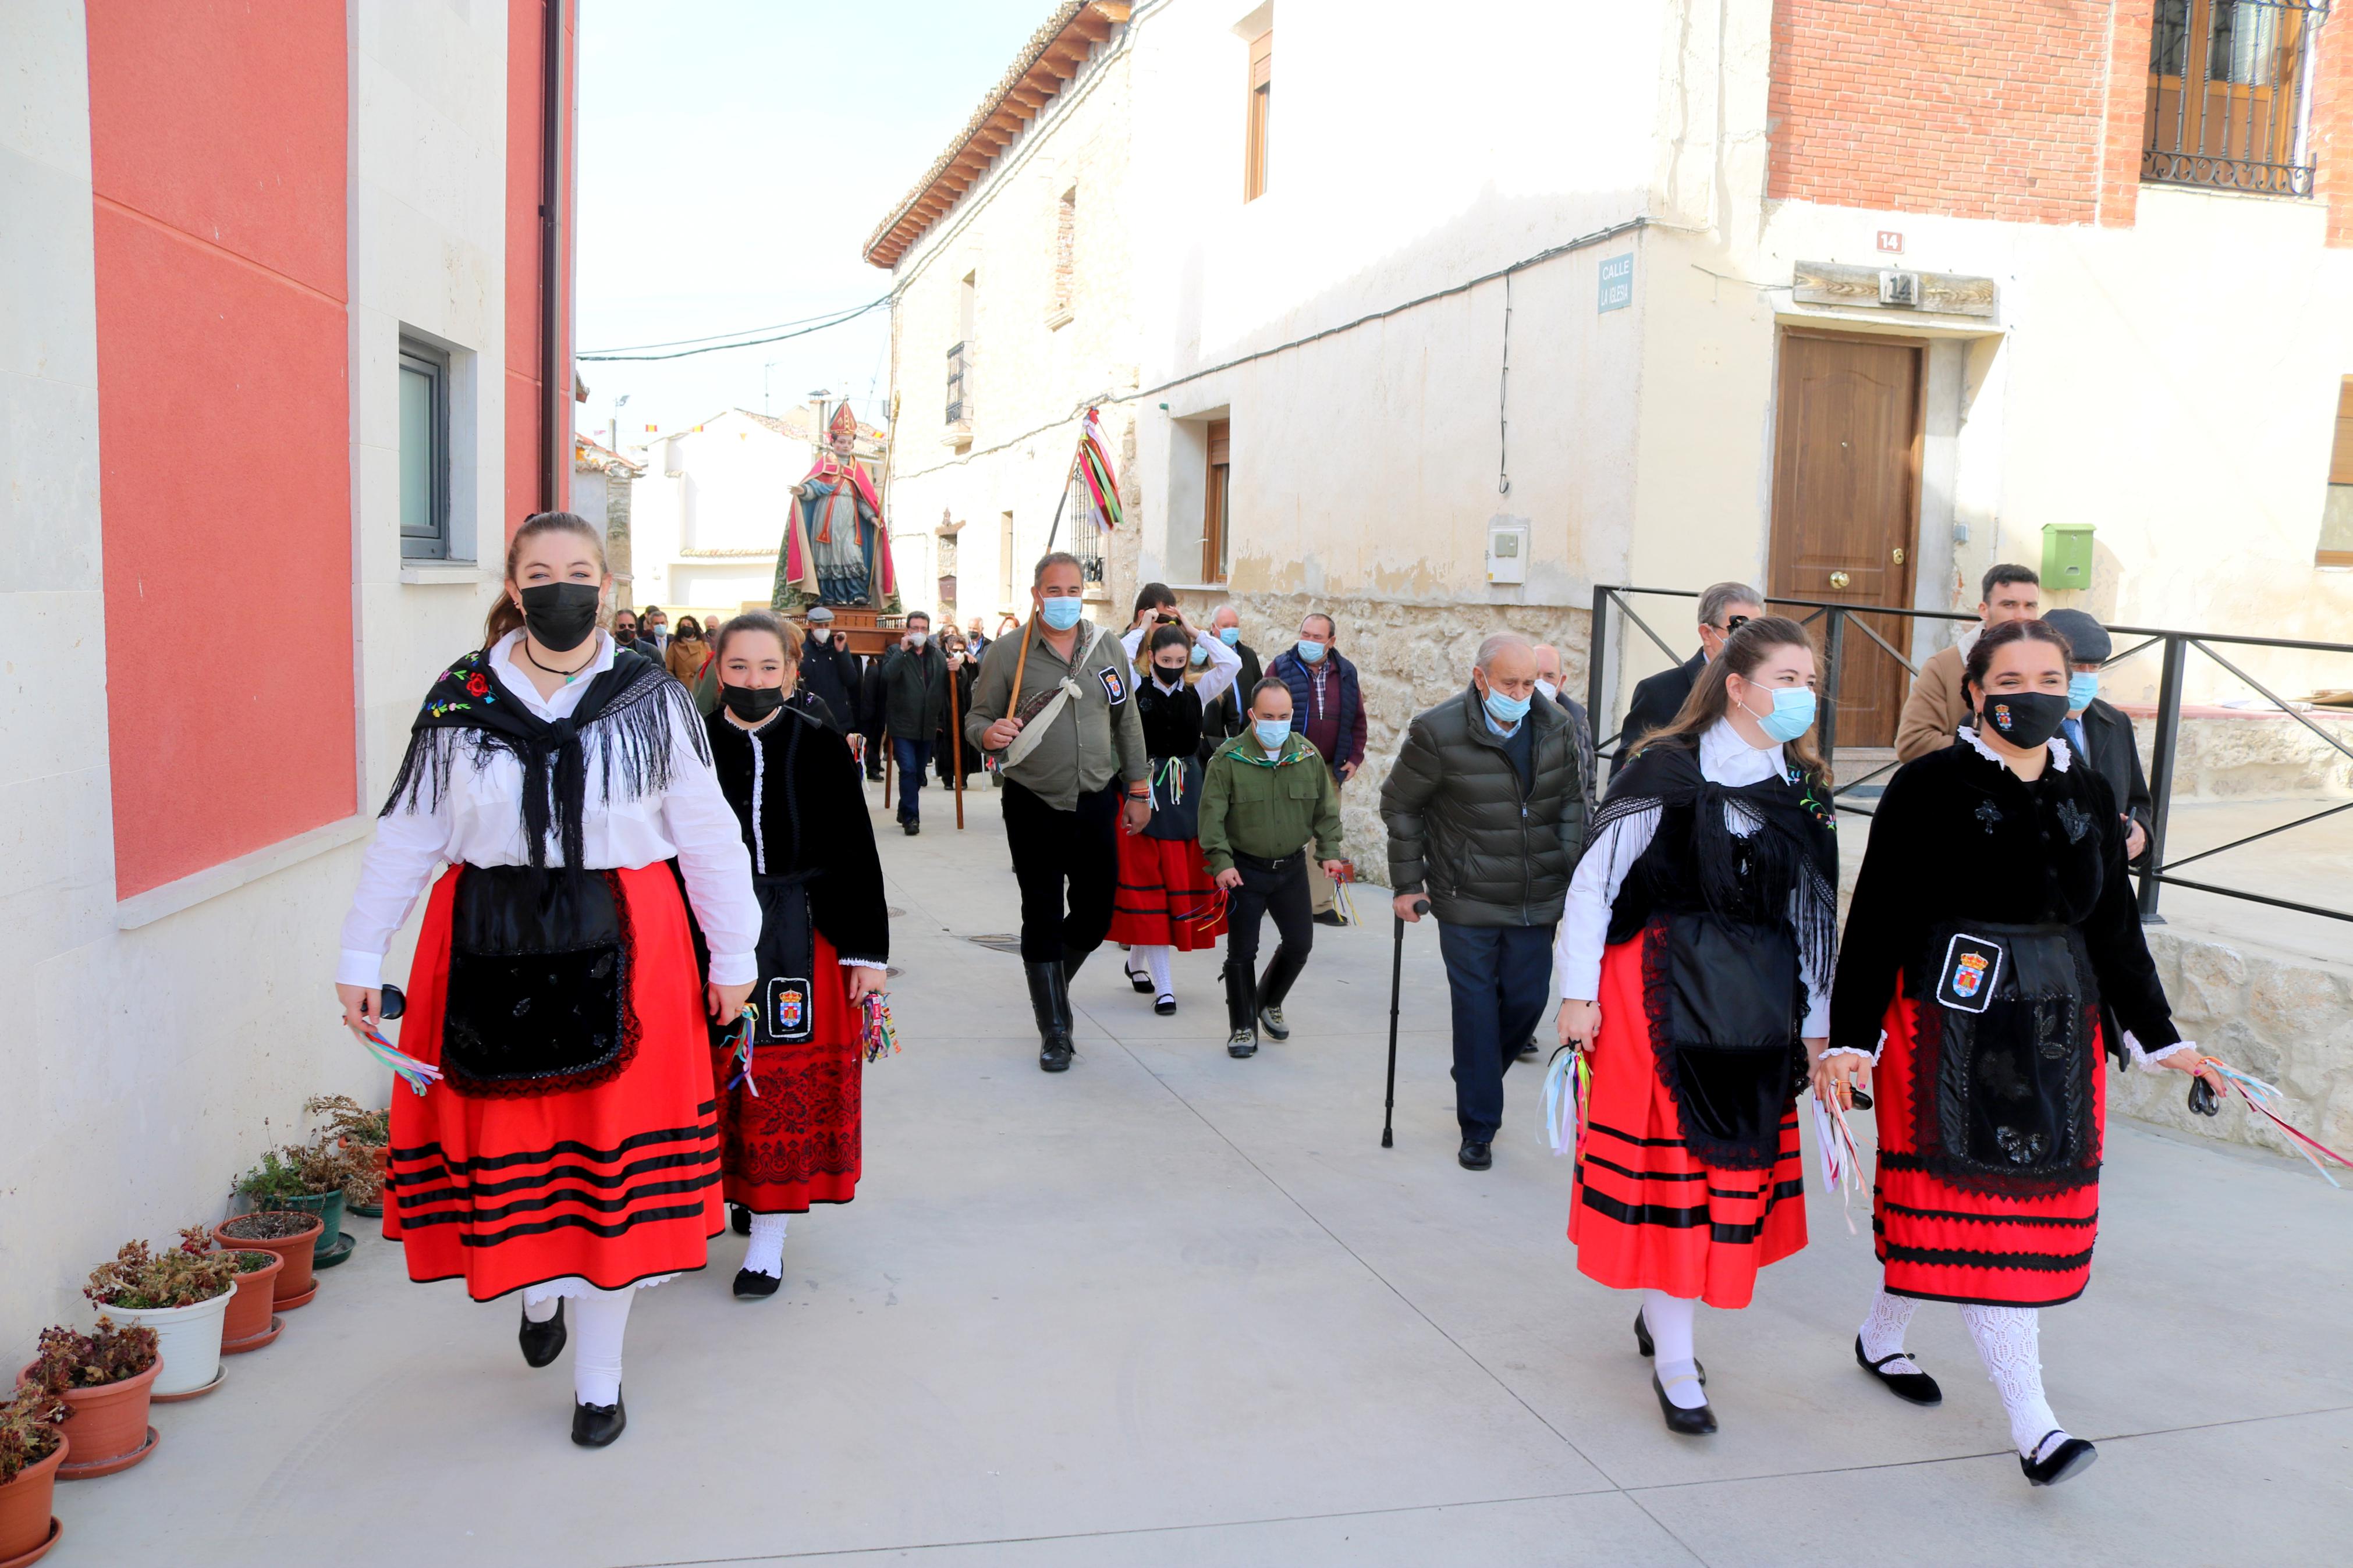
[637, 1004]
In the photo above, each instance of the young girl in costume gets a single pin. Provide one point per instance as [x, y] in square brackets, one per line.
[1166, 900]
[1696, 957]
[568, 1148]
[788, 1090]
[1991, 920]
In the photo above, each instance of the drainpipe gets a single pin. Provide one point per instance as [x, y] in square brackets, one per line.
[554, 363]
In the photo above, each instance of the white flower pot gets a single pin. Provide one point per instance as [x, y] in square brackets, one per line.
[187, 1341]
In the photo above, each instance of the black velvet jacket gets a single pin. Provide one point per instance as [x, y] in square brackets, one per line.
[1172, 721]
[1959, 837]
[808, 814]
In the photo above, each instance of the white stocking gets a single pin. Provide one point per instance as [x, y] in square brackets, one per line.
[766, 1255]
[600, 1319]
[540, 1308]
[1669, 1318]
[1883, 1330]
[2006, 1342]
[1155, 958]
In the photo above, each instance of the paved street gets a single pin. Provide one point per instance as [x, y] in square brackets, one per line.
[1174, 1308]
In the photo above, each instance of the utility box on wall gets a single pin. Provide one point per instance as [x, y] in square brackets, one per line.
[1507, 552]
[2066, 556]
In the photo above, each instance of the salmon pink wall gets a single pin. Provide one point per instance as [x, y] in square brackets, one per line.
[218, 139]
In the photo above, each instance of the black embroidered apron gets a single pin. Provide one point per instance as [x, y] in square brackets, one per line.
[2003, 1095]
[1725, 1007]
[539, 983]
[786, 996]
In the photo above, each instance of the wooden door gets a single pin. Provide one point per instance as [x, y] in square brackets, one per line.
[1846, 466]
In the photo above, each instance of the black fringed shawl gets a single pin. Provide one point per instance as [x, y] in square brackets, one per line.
[634, 710]
[1695, 862]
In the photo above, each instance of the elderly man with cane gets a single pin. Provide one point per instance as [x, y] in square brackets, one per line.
[1487, 811]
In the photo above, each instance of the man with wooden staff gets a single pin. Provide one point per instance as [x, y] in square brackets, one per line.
[1054, 704]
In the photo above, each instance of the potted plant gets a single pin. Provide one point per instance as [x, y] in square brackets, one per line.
[249, 1324]
[305, 1178]
[183, 1296]
[293, 1236]
[32, 1447]
[105, 1378]
[367, 1136]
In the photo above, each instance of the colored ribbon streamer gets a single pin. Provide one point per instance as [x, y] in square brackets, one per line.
[878, 1037]
[1568, 1101]
[2260, 1097]
[418, 1076]
[740, 1042]
[1841, 1161]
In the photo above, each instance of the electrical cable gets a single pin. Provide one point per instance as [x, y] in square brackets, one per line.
[716, 337]
[609, 357]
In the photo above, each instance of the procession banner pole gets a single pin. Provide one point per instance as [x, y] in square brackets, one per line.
[873, 591]
[1021, 661]
[955, 747]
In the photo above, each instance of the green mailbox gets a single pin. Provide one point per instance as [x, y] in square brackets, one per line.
[2066, 556]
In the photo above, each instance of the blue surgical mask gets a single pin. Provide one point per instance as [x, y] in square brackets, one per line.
[1271, 732]
[1061, 612]
[1229, 634]
[1792, 715]
[1506, 710]
[1313, 652]
[1200, 655]
[2081, 687]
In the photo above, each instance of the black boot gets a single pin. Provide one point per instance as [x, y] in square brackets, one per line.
[1071, 966]
[1242, 1010]
[1275, 985]
[543, 1342]
[1049, 1000]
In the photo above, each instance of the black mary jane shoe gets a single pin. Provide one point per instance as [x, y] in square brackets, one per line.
[1165, 1005]
[2072, 1457]
[1142, 983]
[543, 1342]
[595, 1425]
[1683, 1423]
[740, 1219]
[1643, 1342]
[753, 1286]
[1476, 1154]
[1911, 1387]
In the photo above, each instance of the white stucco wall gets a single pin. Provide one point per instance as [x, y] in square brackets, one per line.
[720, 487]
[152, 1055]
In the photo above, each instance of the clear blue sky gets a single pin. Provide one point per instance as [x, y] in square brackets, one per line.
[735, 154]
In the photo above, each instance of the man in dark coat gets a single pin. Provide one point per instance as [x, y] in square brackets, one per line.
[1229, 715]
[1487, 811]
[625, 634]
[2097, 733]
[829, 672]
[915, 699]
[1659, 698]
[871, 716]
[1327, 706]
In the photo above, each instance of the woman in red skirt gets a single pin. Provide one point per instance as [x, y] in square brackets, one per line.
[570, 1149]
[1695, 954]
[789, 1118]
[1991, 920]
[1165, 899]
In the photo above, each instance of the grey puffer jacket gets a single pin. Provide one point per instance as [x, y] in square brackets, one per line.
[1461, 827]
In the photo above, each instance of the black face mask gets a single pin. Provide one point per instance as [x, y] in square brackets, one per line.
[752, 703]
[560, 614]
[2024, 719]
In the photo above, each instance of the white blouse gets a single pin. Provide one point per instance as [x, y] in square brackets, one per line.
[1223, 668]
[1725, 758]
[477, 821]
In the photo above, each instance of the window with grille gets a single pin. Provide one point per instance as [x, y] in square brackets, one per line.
[2230, 90]
[955, 383]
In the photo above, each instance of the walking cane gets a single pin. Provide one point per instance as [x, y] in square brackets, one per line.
[1397, 980]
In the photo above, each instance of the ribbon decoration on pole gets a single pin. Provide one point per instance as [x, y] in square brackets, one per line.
[1095, 472]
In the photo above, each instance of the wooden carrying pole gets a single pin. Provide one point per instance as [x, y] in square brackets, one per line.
[955, 747]
[1021, 661]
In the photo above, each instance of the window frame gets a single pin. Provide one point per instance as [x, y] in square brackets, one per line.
[2178, 146]
[422, 359]
[1258, 121]
[1216, 502]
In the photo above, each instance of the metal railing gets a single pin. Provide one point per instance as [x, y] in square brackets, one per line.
[1836, 620]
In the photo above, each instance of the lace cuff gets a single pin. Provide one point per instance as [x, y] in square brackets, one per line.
[2148, 1061]
[1870, 1055]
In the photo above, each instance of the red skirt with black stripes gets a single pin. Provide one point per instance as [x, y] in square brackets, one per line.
[1165, 896]
[1943, 1243]
[612, 1184]
[1645, 1213]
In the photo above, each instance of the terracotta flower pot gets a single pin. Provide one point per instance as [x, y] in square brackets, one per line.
[107, 1427]
[187, 1342]
[295, 1281]
[247, 1326]
[25, 1520]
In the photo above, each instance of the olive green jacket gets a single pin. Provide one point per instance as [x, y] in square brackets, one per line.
[1268, 807]
[1095, 737]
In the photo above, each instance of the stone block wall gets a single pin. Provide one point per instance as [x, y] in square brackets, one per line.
[2251, 755]
[1409, 657]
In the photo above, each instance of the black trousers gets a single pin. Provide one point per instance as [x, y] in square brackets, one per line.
[1278, 888]
[1059, 854]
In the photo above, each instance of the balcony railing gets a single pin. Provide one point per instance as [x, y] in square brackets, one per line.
[2230, 91]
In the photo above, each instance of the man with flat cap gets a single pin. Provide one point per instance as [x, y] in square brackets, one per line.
[2096, 732]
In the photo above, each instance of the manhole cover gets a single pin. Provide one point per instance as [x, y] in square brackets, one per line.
[891, 970]
[893, 910]
[1003, 942]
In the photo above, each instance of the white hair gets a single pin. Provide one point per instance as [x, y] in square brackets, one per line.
[1497, 643]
